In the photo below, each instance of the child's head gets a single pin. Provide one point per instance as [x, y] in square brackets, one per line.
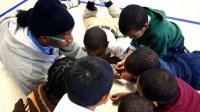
[95, 41]
[142, 59]
[157, 85]
[135, 103]
[90, 81]
[55, 85]
[133, 21]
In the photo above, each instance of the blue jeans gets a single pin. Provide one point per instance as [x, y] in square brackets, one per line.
[176, 50]
[193, 60]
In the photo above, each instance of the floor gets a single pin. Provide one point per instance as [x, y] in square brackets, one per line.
[183, 12]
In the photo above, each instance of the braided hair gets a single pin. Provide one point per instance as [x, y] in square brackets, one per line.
[55, 85]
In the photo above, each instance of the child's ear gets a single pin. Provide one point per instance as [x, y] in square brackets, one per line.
[107, 44]
[105, 98]
[155, 104]
[146, 25]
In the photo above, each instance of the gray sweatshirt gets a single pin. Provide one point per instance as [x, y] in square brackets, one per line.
[26, 63]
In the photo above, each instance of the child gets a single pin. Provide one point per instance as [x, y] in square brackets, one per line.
[185, 66]
[135, 103]
[88, 85]
[167, 93]
[101, 33]
[149, 27]
[45, 96]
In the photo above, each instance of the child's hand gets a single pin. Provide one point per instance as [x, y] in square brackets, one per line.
[124, 75]
[118, 96]
[120, 65]
[117, 76]
[127, 76]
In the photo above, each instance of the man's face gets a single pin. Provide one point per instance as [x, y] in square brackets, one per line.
[61, 41]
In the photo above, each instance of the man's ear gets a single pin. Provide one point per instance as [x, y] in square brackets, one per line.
[155, 104]
[44, 40]
[105, 98]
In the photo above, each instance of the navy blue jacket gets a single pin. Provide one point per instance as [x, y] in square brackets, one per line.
[185, 66]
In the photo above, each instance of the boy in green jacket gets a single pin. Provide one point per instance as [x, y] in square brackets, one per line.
[149, 27]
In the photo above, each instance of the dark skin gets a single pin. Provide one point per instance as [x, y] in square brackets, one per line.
[118, 96]
[67, 39]
[156, 103]
[45, 41]
[136, 34]
[125, 75]
[101, 52]
[133, 34]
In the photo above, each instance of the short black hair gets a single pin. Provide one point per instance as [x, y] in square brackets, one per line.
[55, 84]
[132, 17]
[140, 60]
[158, 85]
[135, 103]
[95, 38]
[90, 79]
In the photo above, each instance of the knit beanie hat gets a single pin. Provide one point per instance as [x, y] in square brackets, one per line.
[50, 18]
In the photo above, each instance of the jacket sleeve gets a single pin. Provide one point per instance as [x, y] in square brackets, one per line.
[133, 45]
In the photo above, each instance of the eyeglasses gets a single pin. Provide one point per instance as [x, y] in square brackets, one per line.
[56, 38]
